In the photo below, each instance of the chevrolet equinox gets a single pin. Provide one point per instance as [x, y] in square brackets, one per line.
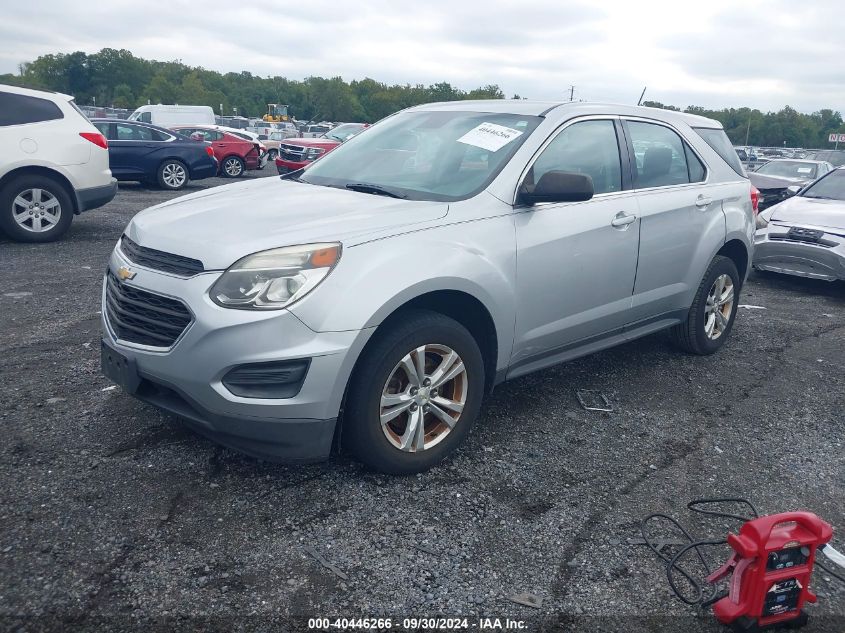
[370, 300]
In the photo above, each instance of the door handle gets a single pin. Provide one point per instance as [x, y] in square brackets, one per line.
[702, 201]
[622, 220]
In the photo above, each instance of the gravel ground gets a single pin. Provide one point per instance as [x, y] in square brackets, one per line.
[115, 516]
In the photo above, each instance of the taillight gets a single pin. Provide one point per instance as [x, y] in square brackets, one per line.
[755, 199]
[209, 151]
[96, 138]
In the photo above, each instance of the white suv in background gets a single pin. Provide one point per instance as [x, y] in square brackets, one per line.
[53, 164]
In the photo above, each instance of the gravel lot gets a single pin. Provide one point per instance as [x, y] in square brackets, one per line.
[115, 516]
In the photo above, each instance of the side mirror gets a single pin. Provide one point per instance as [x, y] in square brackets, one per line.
[558, 186]
[793, 189]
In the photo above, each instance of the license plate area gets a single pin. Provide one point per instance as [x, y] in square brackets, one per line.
[804, 235]
[119, 369]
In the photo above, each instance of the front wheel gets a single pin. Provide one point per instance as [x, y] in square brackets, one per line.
[711, 316]
[273, 154]
[233, 167]
[415, 393]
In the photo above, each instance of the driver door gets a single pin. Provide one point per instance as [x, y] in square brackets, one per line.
[576, 261]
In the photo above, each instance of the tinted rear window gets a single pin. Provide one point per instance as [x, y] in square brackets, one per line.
[721, 144]
[21, 109]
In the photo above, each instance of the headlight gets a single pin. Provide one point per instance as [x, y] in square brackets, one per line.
[313, 152]
[763, 218]
[274, 279]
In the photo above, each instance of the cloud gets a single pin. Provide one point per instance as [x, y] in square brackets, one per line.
[763, 53]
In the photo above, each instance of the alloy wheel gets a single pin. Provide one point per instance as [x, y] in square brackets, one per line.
[173, 175]
[423, 398]
[36, 210]
[719, 306]
[233, 167]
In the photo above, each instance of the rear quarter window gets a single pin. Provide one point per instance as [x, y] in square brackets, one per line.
[721, 144]
[22, 109]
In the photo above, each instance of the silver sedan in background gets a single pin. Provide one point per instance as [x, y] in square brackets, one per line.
[805, 235]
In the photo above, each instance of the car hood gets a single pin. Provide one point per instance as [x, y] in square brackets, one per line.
[312, 142]
[219, 226]
[828, 214]
[762, 181]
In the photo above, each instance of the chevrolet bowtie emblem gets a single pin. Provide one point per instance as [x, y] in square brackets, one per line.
[124, 272]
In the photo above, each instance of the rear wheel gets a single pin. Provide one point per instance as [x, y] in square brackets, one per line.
[173, 175]
[232, 167]
[415, 393]
[711, 317]
[35, 208]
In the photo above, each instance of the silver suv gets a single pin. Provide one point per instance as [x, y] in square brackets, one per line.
[373, 298]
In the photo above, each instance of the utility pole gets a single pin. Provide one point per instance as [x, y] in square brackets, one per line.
[571, 93]
[642, 94]
[748, 129]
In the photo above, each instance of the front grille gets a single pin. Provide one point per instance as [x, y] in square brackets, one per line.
[292, 152]
[138, 316]
[159, 260]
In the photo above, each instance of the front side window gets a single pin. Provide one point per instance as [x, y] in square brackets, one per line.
[661, 157]
[146, 117]
[589, 148]
[426, 155]
[18, 109]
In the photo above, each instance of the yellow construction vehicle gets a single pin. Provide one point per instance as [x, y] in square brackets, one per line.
[276, 113]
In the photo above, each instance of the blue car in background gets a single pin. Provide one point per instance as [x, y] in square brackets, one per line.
[151, 154]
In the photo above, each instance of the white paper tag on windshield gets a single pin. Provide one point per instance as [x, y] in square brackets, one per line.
[489, 136]
[805, 170]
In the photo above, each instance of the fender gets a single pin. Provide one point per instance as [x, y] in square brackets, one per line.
[431, 258]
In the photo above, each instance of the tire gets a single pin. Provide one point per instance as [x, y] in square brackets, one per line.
[232, 167]
[699, 334]
[35, 208]
[380, 373]
[172, 175]
[273, 154]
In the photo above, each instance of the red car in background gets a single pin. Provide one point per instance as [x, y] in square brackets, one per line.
[234, 154]
[296, 153]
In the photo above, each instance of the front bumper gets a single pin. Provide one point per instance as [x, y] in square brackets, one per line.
[775, 252]
[286, 166]
[94, 197]
[187, 378]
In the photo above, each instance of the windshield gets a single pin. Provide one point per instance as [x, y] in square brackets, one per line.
[343, 132]
[424, 155]
[830, 187]
[789, 169]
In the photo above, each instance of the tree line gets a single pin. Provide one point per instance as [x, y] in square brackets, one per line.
[118, 78]
[785, 128]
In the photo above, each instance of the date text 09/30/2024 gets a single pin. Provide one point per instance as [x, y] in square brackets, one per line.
[416, 624]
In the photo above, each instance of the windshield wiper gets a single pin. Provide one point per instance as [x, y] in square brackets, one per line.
[819, 197]
[364, 187]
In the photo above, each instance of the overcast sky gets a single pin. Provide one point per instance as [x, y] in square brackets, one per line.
[763, 53]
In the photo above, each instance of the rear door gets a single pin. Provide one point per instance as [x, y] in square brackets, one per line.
[682, 222]
[132, 150]
[576, 261]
